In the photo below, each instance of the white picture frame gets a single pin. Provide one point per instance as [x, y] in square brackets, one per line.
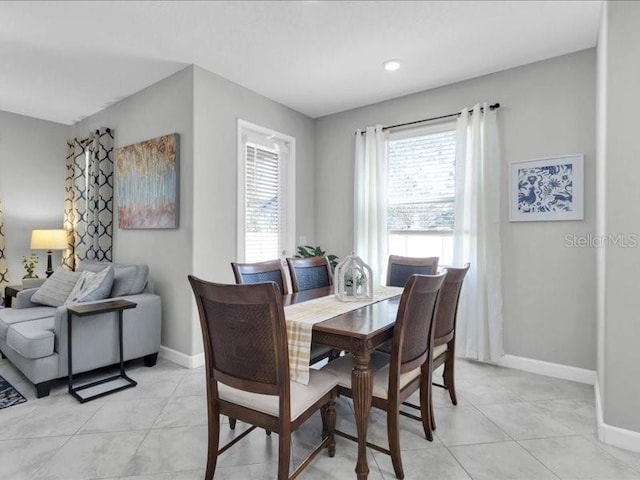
[547, 189]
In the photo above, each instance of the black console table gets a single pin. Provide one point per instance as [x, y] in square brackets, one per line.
[80, 310]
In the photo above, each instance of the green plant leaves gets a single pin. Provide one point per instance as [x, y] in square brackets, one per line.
[308, 251]
[30, 263]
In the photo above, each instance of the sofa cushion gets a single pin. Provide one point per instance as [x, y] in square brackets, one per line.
[128, 279]
[32, 339]
[12, 316]
[56, 289]
[131, 280]
[92, 286]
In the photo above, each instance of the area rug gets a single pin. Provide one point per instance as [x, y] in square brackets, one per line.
[9, 396]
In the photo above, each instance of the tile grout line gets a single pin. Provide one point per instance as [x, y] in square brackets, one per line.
[538, 459]
[506, 433]
[151, 428]
[52, 456]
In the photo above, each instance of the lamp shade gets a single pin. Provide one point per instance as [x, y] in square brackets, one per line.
[49, 240]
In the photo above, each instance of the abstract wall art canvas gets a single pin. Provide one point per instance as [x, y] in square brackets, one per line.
[547, 189]
[147, 183]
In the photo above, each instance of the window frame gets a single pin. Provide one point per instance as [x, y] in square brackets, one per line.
[248, 132]
[412, 132]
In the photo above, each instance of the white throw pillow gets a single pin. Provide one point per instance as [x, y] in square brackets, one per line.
[92, 286]
[56, 289]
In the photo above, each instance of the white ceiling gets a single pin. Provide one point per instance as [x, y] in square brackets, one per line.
[63, 61]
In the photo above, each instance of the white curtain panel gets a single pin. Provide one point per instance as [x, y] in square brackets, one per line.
[479, 331]
[4, 271]
[370, 216]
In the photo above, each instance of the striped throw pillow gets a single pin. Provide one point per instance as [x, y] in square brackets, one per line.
[56, 289]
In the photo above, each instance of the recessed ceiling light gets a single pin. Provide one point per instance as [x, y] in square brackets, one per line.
[391, 65]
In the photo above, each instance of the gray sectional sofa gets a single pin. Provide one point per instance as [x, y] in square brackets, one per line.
[34, 337]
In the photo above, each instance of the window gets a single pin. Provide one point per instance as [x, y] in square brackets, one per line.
[421, 192]
[266, 193]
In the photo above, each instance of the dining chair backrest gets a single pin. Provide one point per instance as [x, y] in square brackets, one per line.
[244, 335]
[413, 333]
[445, 320]
[269, 271]
[309, 273]
[399, 269]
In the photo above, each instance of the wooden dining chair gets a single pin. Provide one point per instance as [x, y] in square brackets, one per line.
[399, 269]
[259, 272]
[247, 371]
[269, 271]
[407, 369]
[272, 270]
[308, 273]
[444, 338]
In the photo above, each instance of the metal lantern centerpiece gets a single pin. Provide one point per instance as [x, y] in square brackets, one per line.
[353, 280]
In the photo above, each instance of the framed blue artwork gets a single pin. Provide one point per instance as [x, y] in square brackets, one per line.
[547, 189]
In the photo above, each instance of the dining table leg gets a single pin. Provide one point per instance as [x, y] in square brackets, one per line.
[362, 388]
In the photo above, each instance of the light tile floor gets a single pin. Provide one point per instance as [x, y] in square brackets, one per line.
[508, 425]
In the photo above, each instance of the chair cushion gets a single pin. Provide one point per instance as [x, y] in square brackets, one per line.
[12, 316]
[92, 286]
[439, 350]
[128, 279]
[302, 396]
[32, 339]
[379, 365]
[56, 289]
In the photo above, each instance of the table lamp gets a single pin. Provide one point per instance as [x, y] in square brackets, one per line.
[49, 240]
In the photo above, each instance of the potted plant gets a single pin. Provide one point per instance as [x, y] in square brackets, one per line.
[353, 280]
[30, 262]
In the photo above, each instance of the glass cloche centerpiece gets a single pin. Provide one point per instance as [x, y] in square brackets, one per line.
[353, 280]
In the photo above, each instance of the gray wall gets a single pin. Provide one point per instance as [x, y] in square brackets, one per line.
[203, 108]
[32, 169]
[162, 108]
[548, 109]
[218, 103]
[618, 125]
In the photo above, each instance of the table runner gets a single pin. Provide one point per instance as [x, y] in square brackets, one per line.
[301, 317]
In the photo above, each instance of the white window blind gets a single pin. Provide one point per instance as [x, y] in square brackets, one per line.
[263, 203]
[421, 192]
[421, 182]
[266, 193]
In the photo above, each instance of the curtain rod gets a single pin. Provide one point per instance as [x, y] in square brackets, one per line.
[491, 107]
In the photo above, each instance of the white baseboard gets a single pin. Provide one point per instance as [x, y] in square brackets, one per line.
[615, 436]
[556, 370]
[188, 361]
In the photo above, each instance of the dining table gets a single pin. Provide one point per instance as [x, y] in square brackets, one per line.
[359, 332]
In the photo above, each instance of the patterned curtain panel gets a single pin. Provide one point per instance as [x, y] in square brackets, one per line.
[75, 156]
[88, 208]
[4, 271]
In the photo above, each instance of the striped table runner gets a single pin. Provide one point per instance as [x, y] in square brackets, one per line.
[302, 316]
